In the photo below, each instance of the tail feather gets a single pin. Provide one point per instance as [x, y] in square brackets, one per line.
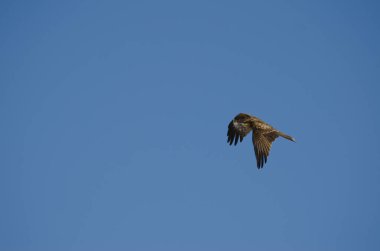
[286, 136]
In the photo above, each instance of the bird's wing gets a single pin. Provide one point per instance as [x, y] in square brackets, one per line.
[262, 142]
[236, 131]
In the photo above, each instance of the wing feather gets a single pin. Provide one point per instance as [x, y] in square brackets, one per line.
[262, 142]
[237, 131]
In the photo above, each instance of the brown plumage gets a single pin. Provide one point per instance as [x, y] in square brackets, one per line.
[262, 137]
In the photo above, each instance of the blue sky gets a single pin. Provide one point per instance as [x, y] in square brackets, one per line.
[114, 119]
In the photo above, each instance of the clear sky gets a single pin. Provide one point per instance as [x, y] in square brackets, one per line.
[114, 117]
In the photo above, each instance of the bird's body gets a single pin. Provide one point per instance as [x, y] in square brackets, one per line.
[262, 137]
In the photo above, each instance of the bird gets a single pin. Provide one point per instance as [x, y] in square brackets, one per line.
[263, 135]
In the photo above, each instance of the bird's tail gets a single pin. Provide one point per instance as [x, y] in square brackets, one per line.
[286, 136]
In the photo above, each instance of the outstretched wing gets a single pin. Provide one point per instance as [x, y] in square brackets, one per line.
[262, 142]
[237, 131]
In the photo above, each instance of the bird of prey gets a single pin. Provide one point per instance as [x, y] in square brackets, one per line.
[262, 137]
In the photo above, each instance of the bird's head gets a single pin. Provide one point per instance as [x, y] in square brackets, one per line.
[242, 117]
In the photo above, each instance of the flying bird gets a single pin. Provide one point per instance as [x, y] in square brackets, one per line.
[262, 137]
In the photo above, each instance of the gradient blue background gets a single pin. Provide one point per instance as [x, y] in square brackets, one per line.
[114, 117]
